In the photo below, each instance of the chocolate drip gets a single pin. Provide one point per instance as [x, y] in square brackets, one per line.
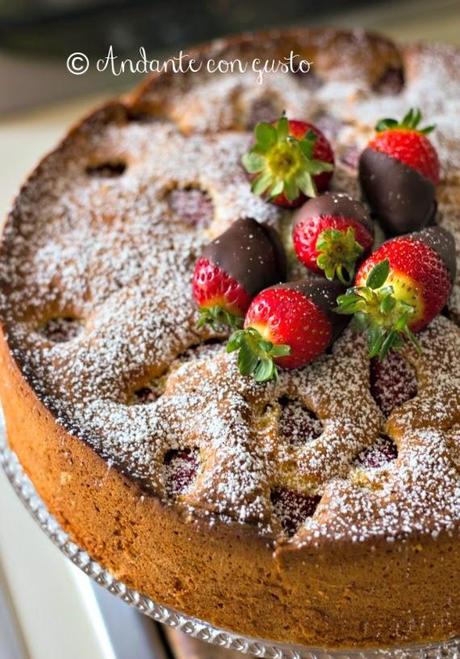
[323, 293]
[251, 253]
[337, 204]
[401, 198]
[442, 242]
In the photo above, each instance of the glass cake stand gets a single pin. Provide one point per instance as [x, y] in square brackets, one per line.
[191, 626]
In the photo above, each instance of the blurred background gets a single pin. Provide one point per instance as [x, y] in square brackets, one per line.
[48, 609]
[36, 36]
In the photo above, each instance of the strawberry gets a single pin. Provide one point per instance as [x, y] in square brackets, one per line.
[398, 172]
[401, 287]
[407, 141]
[290, 160]
[233, 268]
[393, 381]
[379, 455]
[331, 233]
[180, 470]
[287, 325]
[293, 508]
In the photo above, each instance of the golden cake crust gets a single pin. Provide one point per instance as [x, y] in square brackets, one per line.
[92, 230]
[341, 594]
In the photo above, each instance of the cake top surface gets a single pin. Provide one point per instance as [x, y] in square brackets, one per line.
[95, 300]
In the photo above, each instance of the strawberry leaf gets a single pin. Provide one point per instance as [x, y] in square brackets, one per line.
[277, 188]
[281, 350]
[307, 144]
[385, 124]
[256, 355]
[307, 185]
[265, 370]
[337, 254]
[378, 275]
[235, 341]
[387, 304]
[253, 162]
[282, 128]
[350, 302]
[218, 317]
[262, 183]
[291, 190]
[265, 135]
[316, 167]
[410, 121]
[247, 359]
[379, 313]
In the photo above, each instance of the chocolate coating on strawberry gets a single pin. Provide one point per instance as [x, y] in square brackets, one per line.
[335, 204]
[287, 325]
[251, 253]
[331, 234]
[400, 197]
[233, 268]
[398, 173]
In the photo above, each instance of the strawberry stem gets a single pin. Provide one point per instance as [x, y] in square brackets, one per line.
[256, 355]
[410, 121]
[216, 316]
[378, 313]
[338, 252]
[282, 164]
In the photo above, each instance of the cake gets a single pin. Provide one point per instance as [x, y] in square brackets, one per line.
[322, 509]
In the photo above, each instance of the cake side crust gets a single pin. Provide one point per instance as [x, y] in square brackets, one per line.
[336, 594]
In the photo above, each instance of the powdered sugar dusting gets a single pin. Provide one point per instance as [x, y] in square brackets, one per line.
[99, 240]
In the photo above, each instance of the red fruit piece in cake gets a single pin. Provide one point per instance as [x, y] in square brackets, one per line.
[61, 329]
[293, 508]
[290, 160]
[401, 287]
[192, 206]
[331, 234]
[398, 172]
[233, 268]
[297, 424]
[181, 467]
[287, 325]
[379, 454]
[393, 382]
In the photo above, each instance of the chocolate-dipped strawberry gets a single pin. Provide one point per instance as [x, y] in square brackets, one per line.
[233, 268]
[398, 172]
[401, 287]
[290, 160]
[331, 234]
[287, 325]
